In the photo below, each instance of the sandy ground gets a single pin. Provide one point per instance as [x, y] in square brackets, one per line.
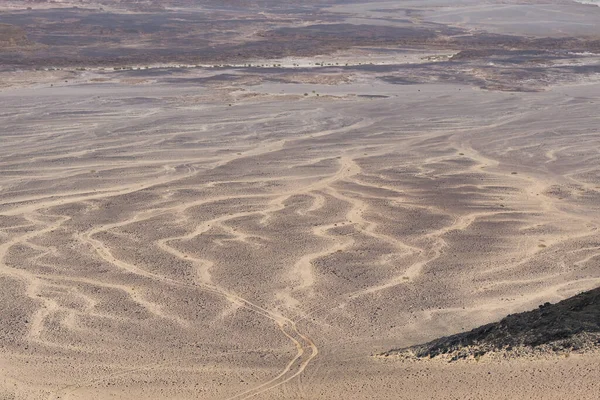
[233, 233]
[158, 242]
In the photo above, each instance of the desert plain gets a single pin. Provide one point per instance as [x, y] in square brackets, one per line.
[268, 225]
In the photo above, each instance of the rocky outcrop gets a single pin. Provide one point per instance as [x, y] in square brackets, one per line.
[570, 325]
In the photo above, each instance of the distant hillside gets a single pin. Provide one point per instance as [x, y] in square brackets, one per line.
[12, 36]
[570, 325]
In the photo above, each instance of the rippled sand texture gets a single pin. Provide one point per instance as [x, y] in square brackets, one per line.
[156, 242]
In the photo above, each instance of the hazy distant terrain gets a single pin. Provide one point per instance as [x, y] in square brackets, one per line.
[243, 199]
[109, 33]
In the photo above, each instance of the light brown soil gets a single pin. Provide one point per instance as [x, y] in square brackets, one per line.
[232, 233]
[157, 242]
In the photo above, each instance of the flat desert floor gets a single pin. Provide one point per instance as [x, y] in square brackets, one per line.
[257, 204]
[176, 241]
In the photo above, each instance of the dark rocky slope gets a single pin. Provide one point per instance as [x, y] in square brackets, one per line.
[570, 325]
